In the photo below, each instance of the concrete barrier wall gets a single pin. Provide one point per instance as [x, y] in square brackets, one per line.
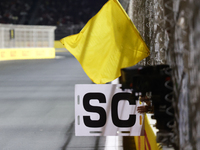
[26, 42]
[148, 141]
[27, 53]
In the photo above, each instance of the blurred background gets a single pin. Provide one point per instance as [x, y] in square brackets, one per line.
[68, 15]
[36, 96]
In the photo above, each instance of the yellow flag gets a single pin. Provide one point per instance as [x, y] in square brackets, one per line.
[108, 42]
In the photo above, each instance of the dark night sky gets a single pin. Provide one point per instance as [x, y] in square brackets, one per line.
[48, 12]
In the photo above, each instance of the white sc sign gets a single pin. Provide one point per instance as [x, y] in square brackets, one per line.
[106, 110]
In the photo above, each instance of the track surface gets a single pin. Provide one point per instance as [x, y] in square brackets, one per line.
[37, 105]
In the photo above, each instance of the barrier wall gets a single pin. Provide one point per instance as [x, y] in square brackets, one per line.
[26, 53]
[148, 141]
[26, 42]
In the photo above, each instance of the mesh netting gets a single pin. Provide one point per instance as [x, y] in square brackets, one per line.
[171, 30]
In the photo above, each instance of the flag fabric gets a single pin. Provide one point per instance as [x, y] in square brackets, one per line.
[107, 43]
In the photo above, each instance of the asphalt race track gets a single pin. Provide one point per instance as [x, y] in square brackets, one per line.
[37, 105]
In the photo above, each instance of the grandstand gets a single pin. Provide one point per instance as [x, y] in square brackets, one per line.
[69, 16]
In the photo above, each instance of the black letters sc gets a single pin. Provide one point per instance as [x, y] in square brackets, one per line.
[114, 113]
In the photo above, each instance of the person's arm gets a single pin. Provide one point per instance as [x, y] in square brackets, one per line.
[148, 108]
[142, 109]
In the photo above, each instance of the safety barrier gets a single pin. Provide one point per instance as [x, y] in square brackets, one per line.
[26, 42]
[148, 141]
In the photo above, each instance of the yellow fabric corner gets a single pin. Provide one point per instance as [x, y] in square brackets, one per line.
[107, 43]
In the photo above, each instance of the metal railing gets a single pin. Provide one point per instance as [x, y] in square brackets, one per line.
[26, 36]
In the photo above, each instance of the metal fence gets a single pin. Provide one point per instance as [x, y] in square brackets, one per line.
[24, 36]
[171, 30]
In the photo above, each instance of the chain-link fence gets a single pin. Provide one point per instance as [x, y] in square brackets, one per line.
[171, 30]
[184, 58]
[24, 36]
